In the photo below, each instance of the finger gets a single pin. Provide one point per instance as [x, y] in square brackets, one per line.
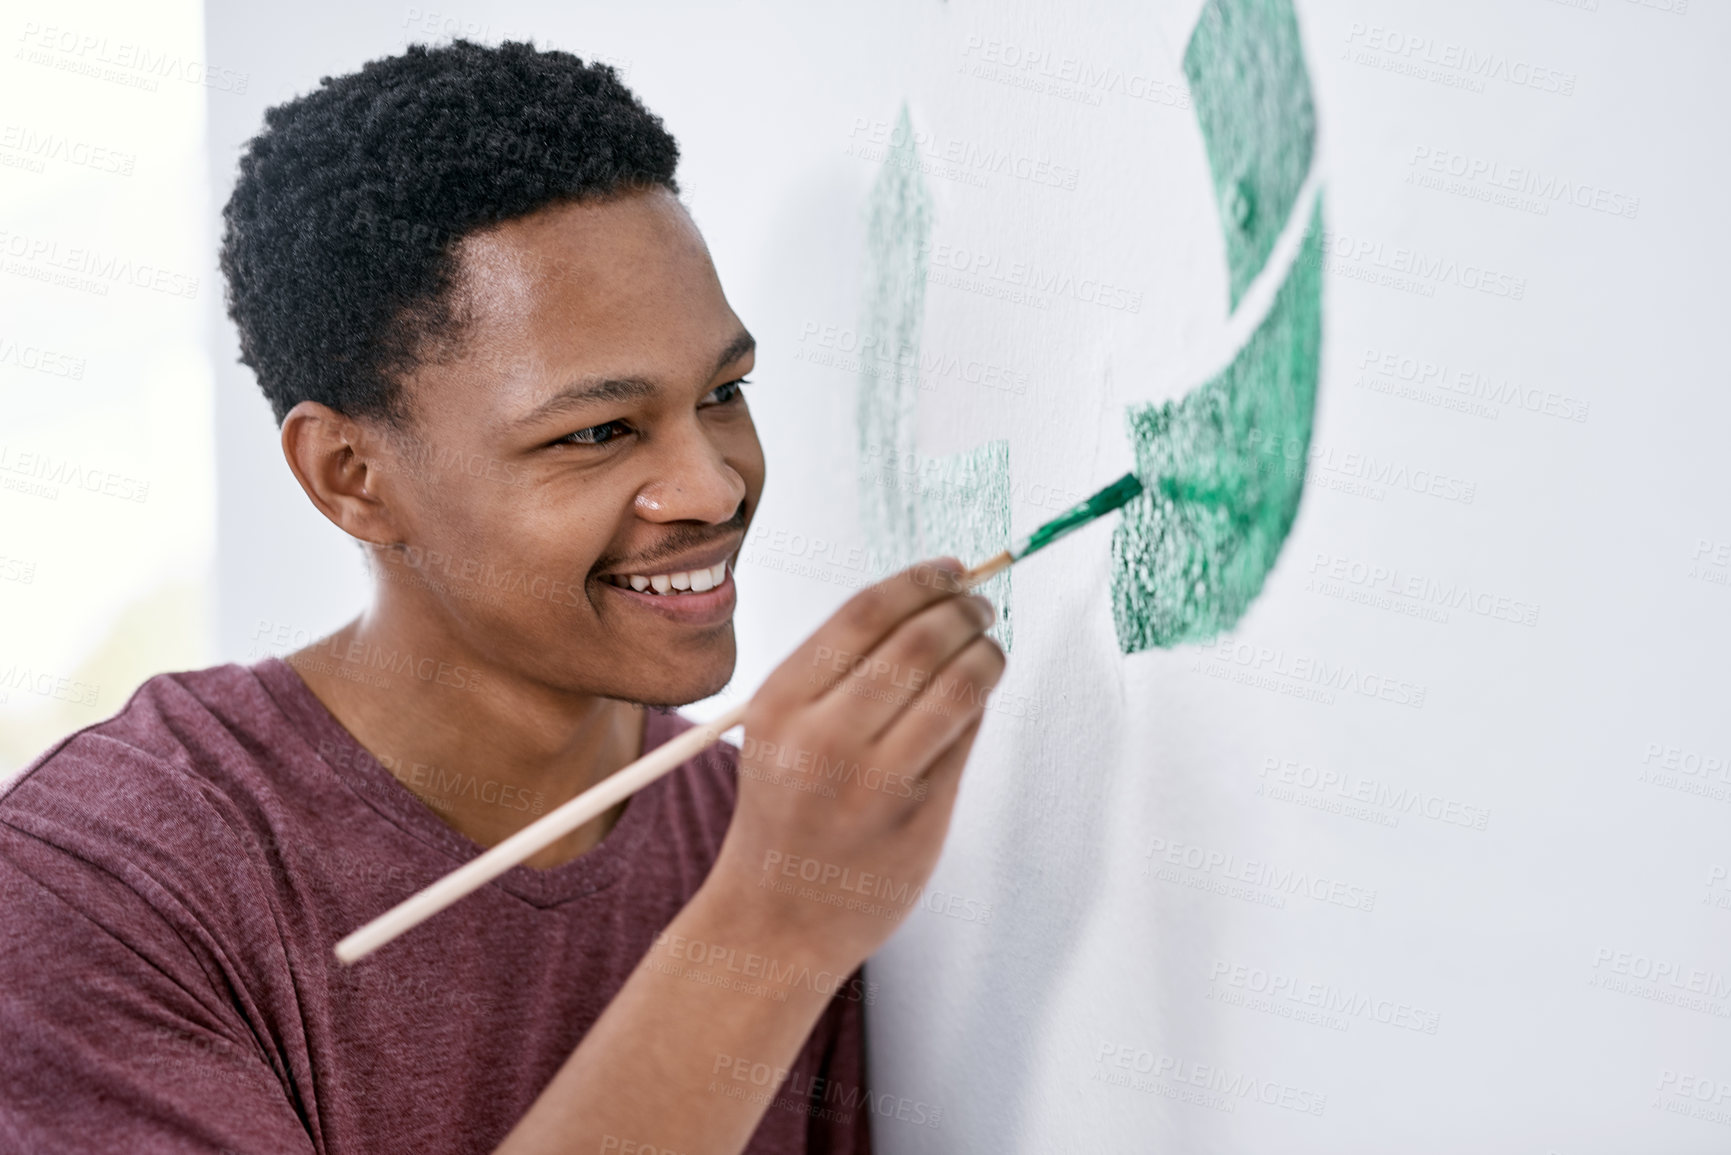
[930, 818]
[879, 685]
[855, 629]
[948, 705]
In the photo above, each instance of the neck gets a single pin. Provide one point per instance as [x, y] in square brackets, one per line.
[485, 748]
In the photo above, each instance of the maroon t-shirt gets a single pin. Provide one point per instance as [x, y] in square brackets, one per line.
[173, 880]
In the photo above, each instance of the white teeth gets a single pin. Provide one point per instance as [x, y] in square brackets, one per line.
[696, 580]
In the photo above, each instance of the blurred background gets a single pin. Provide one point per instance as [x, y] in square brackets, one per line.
[1522, 397]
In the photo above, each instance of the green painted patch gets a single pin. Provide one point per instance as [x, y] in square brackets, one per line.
[914, 507]
[1245, 66]
[965, 511]
[1223, 471]
[892, 313]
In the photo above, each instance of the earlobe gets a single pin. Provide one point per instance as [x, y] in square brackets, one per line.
[331, 456]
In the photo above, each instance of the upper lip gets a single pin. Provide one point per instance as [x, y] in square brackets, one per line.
[681, 563]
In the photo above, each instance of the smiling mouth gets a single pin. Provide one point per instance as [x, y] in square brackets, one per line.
[693, 581]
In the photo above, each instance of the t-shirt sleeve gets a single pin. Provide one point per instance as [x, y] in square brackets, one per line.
[116, 1039]
[841, 1110]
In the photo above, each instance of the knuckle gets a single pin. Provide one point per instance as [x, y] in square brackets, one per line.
[984, 660]
[863, 610]
[921, 637]
[932, 577]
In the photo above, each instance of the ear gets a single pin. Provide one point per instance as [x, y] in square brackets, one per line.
[340, 464]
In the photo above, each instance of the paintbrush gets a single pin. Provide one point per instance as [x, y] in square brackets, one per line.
[617, 787]
[1112, 497]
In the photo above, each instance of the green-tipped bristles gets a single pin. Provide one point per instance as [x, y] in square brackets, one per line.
[1112, 497]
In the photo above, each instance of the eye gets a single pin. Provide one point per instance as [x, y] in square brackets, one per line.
[722, 394]
[596, 434]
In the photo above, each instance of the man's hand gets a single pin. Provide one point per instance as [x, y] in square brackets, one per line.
[853, 753]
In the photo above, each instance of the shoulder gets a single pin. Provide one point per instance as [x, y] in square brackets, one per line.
[136, 930]
[150, 806]
[171, 741]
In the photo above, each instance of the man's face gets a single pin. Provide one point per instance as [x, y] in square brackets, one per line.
[587, 438]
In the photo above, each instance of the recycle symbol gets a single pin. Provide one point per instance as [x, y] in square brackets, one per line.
[1223, 465]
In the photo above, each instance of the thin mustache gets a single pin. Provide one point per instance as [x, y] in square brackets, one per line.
[680, 540]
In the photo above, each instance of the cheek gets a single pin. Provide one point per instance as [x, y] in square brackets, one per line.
[513, 524]
[451, 515]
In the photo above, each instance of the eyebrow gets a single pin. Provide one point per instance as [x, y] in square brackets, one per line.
[743, 343]
[622, 388]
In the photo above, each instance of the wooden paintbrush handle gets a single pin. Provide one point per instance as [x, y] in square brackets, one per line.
[987, 570]
[557, 823]
[538, 835]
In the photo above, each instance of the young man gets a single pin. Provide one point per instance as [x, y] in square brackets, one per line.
[503, 364]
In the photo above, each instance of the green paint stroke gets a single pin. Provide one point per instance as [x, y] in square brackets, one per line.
[1223, 471]
[1245, 65]
[913, 507]
[965, 512]
[897, 231]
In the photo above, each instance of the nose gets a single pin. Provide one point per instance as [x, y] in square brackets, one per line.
[692, 482]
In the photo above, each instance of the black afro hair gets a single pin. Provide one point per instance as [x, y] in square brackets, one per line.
[340, 242]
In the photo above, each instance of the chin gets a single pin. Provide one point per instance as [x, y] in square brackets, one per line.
[695, 682]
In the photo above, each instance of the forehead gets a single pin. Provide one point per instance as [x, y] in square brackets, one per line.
[601, 285]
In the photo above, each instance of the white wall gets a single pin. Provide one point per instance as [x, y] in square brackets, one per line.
[107, 473]
[1583, 738]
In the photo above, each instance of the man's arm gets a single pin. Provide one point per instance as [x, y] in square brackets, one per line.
[895, 683]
